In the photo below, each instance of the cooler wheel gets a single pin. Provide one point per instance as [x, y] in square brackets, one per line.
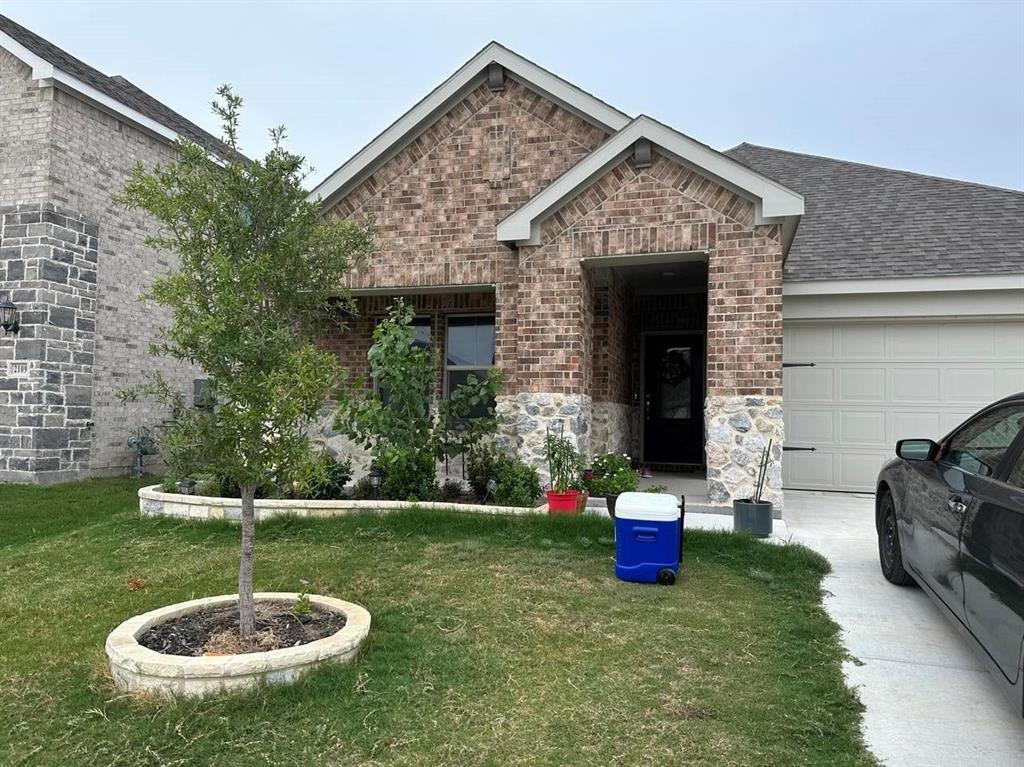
[666, 576]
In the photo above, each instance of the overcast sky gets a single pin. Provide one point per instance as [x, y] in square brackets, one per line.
[930, 87]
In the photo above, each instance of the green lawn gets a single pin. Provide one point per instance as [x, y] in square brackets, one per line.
[495, 641]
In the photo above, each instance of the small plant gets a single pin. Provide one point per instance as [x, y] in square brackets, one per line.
[564, 462]
[517, 483]
[612, 474]
[302, 605]
[451, 490]
[656, 489]
[323, 478]
[762, 472]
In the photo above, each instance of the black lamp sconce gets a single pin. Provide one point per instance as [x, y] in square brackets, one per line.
[9, 315]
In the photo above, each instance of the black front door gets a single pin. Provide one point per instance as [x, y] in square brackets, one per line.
[674, 399]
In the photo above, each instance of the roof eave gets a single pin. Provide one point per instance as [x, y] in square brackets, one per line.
[44, 71]
[468, 76]
[773, 202]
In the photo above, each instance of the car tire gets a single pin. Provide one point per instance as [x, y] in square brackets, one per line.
[890, 553]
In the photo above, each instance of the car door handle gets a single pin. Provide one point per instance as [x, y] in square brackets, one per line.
[956, 505]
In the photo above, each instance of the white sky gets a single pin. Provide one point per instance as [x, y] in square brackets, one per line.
[930, 87]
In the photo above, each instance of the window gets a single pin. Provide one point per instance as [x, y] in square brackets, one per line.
[980, 445]
[469, 351]
[1016, 477]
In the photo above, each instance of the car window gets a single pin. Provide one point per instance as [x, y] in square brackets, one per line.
[980, 445]
[1016, 477]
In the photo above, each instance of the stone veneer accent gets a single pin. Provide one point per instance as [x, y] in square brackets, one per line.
[155, 503]
[524, 418]
[138, 669]
[738, 429]
[612, 429]
[48, 258]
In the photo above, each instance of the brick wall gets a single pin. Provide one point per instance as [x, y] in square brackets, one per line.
[61, 160]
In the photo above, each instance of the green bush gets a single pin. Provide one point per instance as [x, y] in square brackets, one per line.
[518, 483]
[612, 474]
[207, 484]
[324, 478]
[362, 490]
[451, 490]
[408, 474]
[481, 466]
[169, 484]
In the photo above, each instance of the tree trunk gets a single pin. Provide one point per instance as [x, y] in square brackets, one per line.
[246, 607]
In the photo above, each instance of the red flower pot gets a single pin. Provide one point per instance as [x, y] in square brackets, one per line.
[562, 503]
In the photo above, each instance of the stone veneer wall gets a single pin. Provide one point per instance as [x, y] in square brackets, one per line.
[738, 430]
[48, 264]
[524, 420]
[613, 428]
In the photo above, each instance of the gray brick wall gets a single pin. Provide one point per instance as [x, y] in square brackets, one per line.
[63, 157]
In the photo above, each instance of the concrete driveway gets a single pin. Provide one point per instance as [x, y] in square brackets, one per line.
[928, 699]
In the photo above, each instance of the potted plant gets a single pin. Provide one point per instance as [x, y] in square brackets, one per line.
[564, 467]
[754, 515]
[612, 474]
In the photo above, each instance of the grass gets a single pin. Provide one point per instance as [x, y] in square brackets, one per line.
[495, 641]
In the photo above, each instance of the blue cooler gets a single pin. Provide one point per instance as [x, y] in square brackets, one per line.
[648, 530]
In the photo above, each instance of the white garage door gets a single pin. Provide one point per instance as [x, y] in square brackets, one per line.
[876, 382]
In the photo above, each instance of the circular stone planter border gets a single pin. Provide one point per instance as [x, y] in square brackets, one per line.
[155, 503]
[138, 669]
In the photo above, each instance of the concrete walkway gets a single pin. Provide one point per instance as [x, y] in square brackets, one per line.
[929, 701]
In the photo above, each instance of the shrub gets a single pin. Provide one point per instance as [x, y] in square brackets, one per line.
[481, 467]
[518, 483]
[207, 484]
[612, 474]
[362, 490]
[169, 484]
[451, 490]
[324, 478]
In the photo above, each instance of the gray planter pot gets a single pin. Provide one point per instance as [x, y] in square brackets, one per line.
[610, 500]
[752, 517]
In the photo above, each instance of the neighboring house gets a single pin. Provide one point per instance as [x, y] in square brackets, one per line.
[627, 280]
[75, 264]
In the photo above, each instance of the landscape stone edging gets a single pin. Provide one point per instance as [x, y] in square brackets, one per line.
[155, 503]
[138, 669]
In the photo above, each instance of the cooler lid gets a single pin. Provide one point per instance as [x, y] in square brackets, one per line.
[655, 507]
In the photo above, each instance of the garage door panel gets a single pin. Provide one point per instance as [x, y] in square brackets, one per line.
[865, 427]
[915, 384]
[912, 342]
[968, 385]
[810, 384]
[877, 382]
[811, 426]
[861, 384]
[967, 341]
[860, 470]
[861, 342]
[909, 424]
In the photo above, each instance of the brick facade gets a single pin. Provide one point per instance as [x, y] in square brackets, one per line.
[77, 274]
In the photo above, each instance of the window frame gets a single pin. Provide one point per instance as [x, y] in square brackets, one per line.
[446, 368]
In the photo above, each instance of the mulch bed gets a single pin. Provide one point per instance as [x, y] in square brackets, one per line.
[214, 631]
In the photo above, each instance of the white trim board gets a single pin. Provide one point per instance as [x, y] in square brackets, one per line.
[927, 305]
[43, 71]
[905, 285]
[773, 202]
[469, 75]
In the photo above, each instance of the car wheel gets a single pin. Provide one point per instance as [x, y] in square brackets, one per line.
[890, 555]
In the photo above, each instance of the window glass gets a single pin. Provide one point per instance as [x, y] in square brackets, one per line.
[469, 350]
[980, 445]
[470, 341]
[1016, 477]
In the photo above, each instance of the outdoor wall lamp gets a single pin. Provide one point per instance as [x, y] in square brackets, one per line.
[9, 315]
[375, 478]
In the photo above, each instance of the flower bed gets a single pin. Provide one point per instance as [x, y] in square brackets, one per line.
[155, 503]
[138, 669]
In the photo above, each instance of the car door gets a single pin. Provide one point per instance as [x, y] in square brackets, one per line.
[992, 557]
[940, 494]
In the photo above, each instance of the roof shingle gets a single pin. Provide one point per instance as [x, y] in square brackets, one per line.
[865, 222]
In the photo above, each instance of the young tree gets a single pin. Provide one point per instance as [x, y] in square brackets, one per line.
[258, 269]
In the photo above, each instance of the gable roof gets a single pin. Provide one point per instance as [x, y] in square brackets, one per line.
[773, 202]
[865, 222]
[115, 93]
[467, 77]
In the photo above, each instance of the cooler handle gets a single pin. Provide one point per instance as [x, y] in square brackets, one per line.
[645, 533]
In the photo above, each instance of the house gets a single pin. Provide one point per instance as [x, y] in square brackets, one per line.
[651, 295]
[73, 263]
[638, 289]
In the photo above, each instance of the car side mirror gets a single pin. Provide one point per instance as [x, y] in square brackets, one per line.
[917, 449]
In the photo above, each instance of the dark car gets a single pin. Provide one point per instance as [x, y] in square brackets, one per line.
[950, 516]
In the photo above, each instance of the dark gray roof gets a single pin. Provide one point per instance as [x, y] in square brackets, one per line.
[116, 87]
[864, 222]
